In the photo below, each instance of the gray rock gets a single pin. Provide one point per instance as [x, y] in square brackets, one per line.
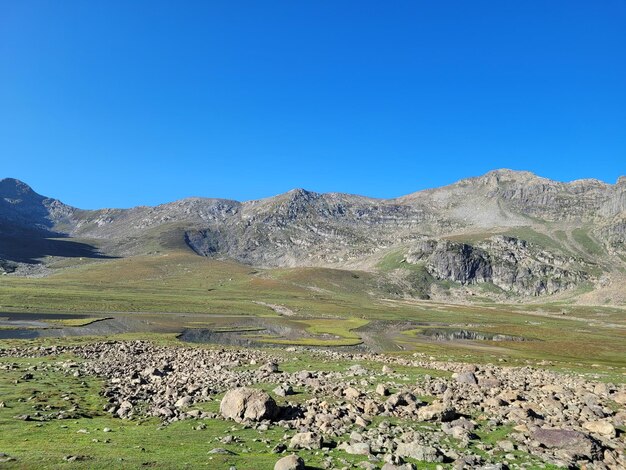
[291, 462]
[358, 448]
[248, 404]
[467, 378]
[306, 440]
[436, 412]
[576, 444]
[417, 451]
[382, 390]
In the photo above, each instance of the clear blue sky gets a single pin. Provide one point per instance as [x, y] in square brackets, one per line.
[121, 103]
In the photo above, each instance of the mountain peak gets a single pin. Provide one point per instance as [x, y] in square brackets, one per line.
[504, 174]
[12, 188]
[298, 192]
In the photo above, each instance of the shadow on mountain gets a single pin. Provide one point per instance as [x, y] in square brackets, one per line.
[31, 246]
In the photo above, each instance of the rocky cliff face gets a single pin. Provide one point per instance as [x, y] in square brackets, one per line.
[509, 263]
[555, 235]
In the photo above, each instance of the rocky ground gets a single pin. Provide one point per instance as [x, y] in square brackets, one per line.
[375, 407]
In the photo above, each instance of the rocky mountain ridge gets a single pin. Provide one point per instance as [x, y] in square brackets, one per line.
[524, 234]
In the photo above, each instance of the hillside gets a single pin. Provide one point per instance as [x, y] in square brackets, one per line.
[503, 235]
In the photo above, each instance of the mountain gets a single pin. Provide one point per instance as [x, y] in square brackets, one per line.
[506, 233]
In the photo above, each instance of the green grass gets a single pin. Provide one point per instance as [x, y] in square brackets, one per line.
[589, 245]
[342, 332]
[219, 292]
[536, 238]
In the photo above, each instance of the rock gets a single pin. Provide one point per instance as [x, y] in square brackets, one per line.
[248, 404]
[358, 369]
[438, 411]
[306, 440]
[382, 390]
[358, 448]
[351, 393]
[466, 378]
[387, 370]
[304, 374]
[577, 444]
[279, 448]
[489, 383]
[506, 446]
[600, 427]
[183, 402]
[365, 465]
[493, 402]
[404, 466]
[509, 396]
[620, 418]
[619, 398]
[401, 399]
[291, 462]
[361, 422]
[283, 390]
[221, 451]
[417, 451]
[270, 367]
[4, 458]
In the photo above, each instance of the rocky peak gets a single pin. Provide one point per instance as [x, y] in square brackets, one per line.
[12, 189]
[21, 205]
[504, 177]
[299, 194]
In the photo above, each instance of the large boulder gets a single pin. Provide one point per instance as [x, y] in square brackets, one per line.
[601, 427]
[248, 404]
[438, 411]
[575, 444]
[291, 462]
[306, 440]
[466, 378]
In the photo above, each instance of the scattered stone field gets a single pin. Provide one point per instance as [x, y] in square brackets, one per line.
[391, 412]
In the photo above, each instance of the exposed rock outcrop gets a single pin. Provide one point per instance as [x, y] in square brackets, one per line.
[509, 263]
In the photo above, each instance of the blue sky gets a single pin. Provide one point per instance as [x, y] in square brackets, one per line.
[121, 103]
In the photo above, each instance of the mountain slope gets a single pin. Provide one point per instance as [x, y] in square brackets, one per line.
[520, 233]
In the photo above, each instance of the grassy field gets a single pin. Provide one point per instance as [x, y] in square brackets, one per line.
[333, 307]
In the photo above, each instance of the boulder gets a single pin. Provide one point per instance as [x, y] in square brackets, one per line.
[358, 448]
[619, 397]
[401, 399]
[382, 390]
[466, 378]
[351, 393]
[600, 427]
[417, 451]
[283, 390]
[438, 411]
[577, 444]
[404, 466]
[291, 462]
[270, 367]
[248, 404]
[183, 401]
[306, 440]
